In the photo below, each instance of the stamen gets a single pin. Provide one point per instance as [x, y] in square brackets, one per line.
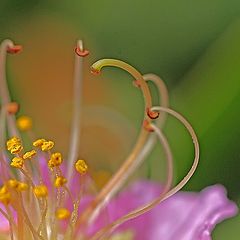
[39, 142]
[81, 166]
[152, 114]
[129, 165]
[40, 191]
[97, 66]
[162, 197]
[47, 145]
[164, 102]
[7, 46]
[77, 99]
[55, 160]
[62, 214]
[29, 155]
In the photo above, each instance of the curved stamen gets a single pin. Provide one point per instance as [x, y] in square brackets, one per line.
[162, 197]
[7, 46]
[130, 163]
[76, 126]
[97, 66]
[163, 94]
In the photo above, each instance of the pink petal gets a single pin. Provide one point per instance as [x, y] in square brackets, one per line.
[185, 216]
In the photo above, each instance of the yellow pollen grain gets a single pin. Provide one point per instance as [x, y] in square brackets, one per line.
[47, 145]
[29, 155]
[81, 166]
[55, 160]
[17, 162]
[24, 123]
[60, 181]
[39, 142]
[40, 191]
[62, 213]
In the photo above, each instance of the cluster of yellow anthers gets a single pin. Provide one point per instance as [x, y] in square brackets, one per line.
[14, 146]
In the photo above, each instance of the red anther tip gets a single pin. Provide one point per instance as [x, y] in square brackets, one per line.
[95, 71]
[14, 49]
[81, 53]
[136, 83]
[152, 114]
[147, 126]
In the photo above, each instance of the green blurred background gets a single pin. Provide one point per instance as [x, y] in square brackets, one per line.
[192, 45]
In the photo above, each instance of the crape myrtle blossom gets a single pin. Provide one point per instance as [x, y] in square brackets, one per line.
[45, 196]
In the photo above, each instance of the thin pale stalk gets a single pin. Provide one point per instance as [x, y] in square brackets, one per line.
[10, 222]
[162, 197]
[4, 91]
[77, 97]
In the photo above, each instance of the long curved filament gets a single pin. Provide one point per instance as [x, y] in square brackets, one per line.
[97, 66]
[127, 167]
[162, 197]
[5, 47]
[169, 158]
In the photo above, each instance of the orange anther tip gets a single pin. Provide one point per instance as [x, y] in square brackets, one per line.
[95, 71]
[152, 114]
[136, 83]
[14, 49]
[12, 107]
[81, 53]
[147, 126]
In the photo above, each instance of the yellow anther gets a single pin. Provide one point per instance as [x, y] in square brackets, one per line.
[16, 149]
[24, 123]
[17, 162]
[60, 181]
[12, 141]
[81, 166]
[39, 142]
[22, 186]
[14, 145]
[5, 196]
[62, 213]
[55, 160]
[29, 155]
[19, 186]
[12, 183]
[40, 191]
[47, 145]
[3, 189]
